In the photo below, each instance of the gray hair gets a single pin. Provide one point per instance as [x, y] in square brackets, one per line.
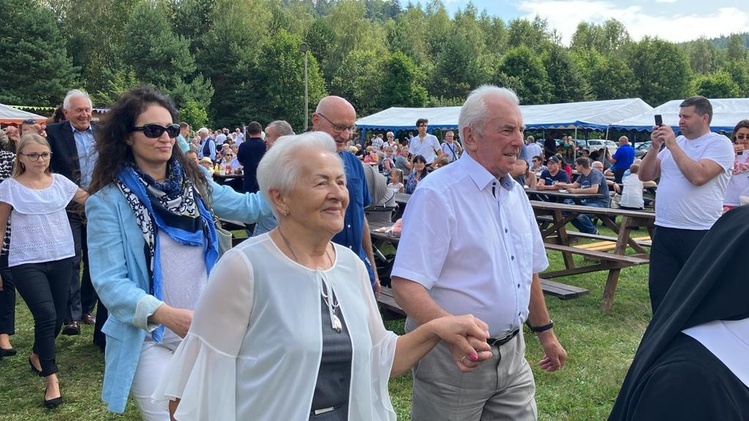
[282, 127]
[73, 93]
[474, 113]
[204, 131]
[281, 166]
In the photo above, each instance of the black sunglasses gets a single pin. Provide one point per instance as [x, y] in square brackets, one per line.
[155, 130]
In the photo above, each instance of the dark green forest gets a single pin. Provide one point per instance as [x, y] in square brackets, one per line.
[226, 62]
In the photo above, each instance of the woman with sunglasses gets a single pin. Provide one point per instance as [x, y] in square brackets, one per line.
[41, 249]
[152, 242]
[739, 181]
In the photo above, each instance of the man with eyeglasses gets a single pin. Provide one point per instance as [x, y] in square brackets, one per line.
[425, 144]
[694, 169]
[74, 156]
[337, 117]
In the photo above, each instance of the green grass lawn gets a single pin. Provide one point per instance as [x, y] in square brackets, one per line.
[600, 347]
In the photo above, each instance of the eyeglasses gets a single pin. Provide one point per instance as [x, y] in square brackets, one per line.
[422, 125]
[35, 156]
[155, 131]
[742, 136]
[339, 128]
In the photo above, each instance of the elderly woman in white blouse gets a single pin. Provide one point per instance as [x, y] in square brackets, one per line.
[287, 327]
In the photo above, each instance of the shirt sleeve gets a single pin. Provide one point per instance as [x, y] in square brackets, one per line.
[202, 372]
[721, 152]
[426, 217]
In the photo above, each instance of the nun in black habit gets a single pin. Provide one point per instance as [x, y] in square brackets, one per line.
[677, 377]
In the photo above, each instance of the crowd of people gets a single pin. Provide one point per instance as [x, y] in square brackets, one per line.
[120, 217]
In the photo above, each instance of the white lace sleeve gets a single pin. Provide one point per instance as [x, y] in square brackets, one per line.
[202, 372]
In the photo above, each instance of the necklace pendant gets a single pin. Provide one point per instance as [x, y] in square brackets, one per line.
[336, 322]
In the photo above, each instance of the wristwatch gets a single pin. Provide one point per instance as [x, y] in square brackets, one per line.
[544, 328]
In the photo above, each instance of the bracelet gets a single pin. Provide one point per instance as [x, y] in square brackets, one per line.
[544, 328]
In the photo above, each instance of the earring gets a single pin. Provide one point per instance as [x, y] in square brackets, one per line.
[286, 212]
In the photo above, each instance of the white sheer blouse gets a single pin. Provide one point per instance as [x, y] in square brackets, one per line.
[254, 348]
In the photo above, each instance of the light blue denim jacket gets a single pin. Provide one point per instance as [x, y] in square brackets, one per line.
[119, 274]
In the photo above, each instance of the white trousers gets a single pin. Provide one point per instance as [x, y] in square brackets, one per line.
[154, 358]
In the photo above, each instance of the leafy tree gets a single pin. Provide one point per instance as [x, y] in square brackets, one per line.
[361, 80]
[609, 39]
[716, 85]
[95, 34]
[402, 83]
[276, 89]
[739, 71]
[194, 114]
[611, 78]
[161, 58]
[661, 69]
[567, 82]
[736, 49]
[704, 56]
[35, 68]
[521, 63]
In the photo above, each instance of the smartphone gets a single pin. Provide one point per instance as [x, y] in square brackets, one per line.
[658, 120]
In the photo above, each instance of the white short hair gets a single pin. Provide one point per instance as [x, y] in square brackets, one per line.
[74, 93]
[280, 168]
[474, 113]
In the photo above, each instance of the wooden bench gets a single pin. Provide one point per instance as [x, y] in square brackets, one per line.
[608, 245]
[562, 291]
[390, 308]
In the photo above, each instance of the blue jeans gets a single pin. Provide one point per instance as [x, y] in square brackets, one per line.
[583, 222]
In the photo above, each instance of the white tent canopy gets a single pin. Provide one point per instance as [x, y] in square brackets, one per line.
[587, 115]
[14, 115]
[726, 113]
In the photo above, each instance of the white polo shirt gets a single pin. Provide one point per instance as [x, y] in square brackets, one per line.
[473, 252]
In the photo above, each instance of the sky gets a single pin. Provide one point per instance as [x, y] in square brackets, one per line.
[670, 20]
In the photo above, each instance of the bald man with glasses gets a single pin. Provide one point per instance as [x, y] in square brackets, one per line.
[337, 117]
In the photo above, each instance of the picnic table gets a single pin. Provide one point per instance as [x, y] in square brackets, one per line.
[380, 236]
[557, 238]
[235, 181]
[561, 194]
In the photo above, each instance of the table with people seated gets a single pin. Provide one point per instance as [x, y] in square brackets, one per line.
[235, 181]
[608, 254]
[561, 195]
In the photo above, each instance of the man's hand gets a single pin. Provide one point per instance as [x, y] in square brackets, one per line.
[555, 355]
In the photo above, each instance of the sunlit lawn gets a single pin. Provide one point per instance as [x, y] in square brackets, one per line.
[600, 347]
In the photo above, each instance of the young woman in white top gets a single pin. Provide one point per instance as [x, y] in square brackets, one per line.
[41, 249]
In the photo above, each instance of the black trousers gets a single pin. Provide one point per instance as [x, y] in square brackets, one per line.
[670, 251]
[7, 299]
[82, 296]
[44, 288]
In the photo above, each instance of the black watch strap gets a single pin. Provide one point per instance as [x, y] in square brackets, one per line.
[544, 328]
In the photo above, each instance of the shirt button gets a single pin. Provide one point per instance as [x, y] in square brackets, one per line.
[518, 285]
[505, 229]
[512, 257]
[348, 226]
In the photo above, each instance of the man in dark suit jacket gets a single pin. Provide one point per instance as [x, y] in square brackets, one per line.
[250, 153]
[74, 156]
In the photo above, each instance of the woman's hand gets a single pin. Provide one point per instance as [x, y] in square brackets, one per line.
[178, 320]
[466, 336]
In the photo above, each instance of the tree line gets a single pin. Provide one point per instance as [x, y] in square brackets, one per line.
[227, 62]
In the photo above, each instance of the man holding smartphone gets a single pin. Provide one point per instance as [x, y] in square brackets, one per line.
[694, 169]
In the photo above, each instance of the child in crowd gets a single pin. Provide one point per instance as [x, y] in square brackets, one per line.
[396, 180]
[632, 190]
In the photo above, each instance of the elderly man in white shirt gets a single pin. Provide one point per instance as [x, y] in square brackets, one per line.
[482, 259]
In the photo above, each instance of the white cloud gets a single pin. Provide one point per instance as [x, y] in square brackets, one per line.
[666, 21]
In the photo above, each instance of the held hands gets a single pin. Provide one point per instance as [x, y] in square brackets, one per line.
[661, 134]
[466, 336]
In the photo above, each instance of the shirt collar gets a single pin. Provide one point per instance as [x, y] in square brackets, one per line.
[480, 176]
[88, 130]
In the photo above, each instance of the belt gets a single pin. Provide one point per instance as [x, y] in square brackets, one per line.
[503, 340]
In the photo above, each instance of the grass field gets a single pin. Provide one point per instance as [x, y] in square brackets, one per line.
[600, 347]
